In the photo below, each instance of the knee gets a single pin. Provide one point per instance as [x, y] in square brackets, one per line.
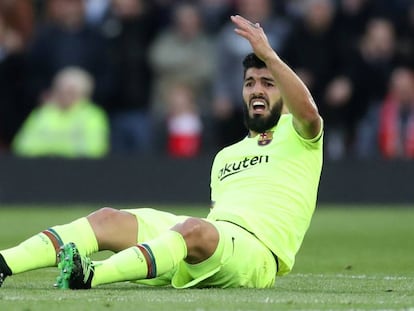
[108, 218]
[200, 236]
[114, 229]
[103, 215]
[191, 229]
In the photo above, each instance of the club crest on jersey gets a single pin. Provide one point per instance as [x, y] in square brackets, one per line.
[265, 138]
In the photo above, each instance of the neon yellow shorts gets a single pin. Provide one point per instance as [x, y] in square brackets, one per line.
[240, 260]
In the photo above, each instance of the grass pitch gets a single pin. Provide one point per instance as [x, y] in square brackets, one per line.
[353, 258]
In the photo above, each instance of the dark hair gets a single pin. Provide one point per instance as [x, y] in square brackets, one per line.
[252, 61]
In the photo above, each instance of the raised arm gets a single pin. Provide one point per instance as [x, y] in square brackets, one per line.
[295, 94]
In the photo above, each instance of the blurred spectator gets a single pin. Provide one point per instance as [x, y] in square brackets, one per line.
[369, 71]
[350, 22]
[183, 52]
[16, 23]
[215, 14]
[184, 125]
[396, 117]
[231, 49]
[68, 124]
[392, 122]
[312, 50]
[374, 62]
[345, 50]
[130, 28]
[66, 40]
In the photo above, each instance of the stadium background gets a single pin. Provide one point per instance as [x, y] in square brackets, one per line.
[358, 252]
[156, 173]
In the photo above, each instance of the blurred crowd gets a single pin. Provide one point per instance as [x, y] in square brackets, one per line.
[90, 78]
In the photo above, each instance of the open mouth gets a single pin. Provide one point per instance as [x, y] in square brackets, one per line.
[258, 106]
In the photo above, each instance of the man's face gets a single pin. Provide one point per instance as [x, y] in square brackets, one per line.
[263, 103]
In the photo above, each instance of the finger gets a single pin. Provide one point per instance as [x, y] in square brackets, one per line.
[242, 33]
[240, 18]
[241, 21]
[237, 21]
[245, 24]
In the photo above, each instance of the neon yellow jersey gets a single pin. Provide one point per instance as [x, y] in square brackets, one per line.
[268, 185]
[82, 130]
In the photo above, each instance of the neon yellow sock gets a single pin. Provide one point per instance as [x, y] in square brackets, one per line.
[79, 232]
[143, 261]
[39, 251]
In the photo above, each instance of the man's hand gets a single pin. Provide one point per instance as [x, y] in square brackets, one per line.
[255, 35]
[295, 94]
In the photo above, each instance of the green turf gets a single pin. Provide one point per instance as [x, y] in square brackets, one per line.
[353, 258]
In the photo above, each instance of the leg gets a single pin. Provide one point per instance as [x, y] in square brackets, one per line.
[201, 238]
[114, 230]
[240, 260]
[193, 240]
[39, 251]
[107, 229]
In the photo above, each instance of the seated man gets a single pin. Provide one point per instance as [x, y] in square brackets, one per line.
[264, 191]
[68, 124]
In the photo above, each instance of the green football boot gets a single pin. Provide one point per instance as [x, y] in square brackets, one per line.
[76, 271]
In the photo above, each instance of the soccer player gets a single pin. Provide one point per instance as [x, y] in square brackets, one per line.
[263, 190]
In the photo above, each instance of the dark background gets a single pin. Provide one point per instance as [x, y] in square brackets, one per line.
[163, 180]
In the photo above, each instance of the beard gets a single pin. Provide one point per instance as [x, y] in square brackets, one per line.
[260, 123]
